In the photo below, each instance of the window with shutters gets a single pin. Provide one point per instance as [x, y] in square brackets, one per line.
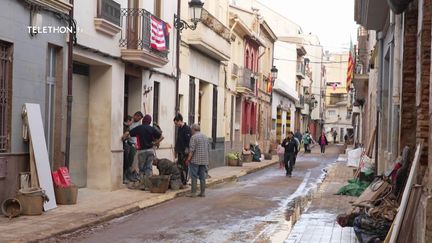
[156, 93]
[191, 100]
[5, 95]
[214, 117]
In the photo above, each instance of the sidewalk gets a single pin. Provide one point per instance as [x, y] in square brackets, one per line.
[318, 223]
[94, 207]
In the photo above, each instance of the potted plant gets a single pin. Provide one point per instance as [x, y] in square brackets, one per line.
[233, 159]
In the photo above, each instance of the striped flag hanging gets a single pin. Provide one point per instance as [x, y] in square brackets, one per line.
[350, 71]
[157, 35]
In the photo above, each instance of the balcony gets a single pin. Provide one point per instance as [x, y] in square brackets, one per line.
[247, 82]
[211, 37]
[108, 17]
[59, 5]
[136, 39]
[235, 70]
[371, 14]
[300, 71]
[300, 104]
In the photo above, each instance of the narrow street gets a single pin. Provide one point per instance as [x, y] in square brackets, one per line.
[248, 210]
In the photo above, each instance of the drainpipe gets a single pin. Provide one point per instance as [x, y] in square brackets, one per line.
[178, 41]
[380, 38]
[69, 91]
[234, 25]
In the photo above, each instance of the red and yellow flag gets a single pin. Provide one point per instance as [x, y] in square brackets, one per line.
[269, 84]
[350, 71]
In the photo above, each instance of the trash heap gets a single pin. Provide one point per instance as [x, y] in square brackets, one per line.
[384, 209]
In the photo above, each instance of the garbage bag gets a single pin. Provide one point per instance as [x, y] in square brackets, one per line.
[368, 229]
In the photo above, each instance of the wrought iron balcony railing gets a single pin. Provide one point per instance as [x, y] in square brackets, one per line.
[136, 30]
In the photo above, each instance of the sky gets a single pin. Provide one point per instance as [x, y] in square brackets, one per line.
[332, 20]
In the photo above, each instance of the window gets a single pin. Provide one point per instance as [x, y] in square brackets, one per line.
[214, 118]
[156, 89]
[5, 94]
[247, 59]
[109, 10]
[158, 8]
[191, 100]
[331, 113]
[50, 99]
[252, 63]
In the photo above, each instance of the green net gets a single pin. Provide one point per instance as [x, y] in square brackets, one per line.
[355, 188]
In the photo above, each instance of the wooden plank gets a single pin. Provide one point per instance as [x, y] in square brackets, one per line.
[405, 234]
[407, 190]
[370, 144]
[372, 193]
[40, 152]
[33, 173]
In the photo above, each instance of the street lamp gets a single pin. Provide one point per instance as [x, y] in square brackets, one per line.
[274, 72]
[195, 13]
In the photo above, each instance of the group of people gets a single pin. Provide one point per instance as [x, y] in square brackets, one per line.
[290, 147]
[140, 141]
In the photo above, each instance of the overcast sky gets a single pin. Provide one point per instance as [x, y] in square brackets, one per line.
[332, 20]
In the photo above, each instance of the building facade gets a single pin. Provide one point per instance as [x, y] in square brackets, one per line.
[338, 99]
[399, 75]
[204, 54]
[32, 70]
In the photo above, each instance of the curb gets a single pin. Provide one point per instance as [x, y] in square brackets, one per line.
[140, 205]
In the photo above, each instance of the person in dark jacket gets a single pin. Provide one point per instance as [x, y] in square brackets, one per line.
[322, 141]
[291, 150]
[147, 136]
[184, 135]
[166, 167]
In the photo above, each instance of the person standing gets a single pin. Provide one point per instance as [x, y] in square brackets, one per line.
[322, 141]
[198, 160]
[147, 136]
[128, 152]
[291, 150]
[184, 134]
[334, 136]
[298, 135]
[306, 141]
[280, 152]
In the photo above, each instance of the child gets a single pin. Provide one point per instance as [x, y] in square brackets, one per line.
[280, 152]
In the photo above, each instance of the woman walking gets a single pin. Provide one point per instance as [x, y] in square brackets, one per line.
[323, 142]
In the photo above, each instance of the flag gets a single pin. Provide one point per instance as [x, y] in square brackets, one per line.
[269, 84]
[350, 71]
[157, 34]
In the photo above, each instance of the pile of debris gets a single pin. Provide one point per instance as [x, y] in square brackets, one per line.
[385, 209]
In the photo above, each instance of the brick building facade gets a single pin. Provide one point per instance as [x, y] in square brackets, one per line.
[401, 64]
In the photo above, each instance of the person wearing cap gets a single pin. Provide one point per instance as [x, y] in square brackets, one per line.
[146, 136]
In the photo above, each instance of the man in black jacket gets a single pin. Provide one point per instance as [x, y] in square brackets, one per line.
[184, 135]
[291, 150]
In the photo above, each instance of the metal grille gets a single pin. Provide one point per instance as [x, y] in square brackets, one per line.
[136, 28]
[5, 88]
